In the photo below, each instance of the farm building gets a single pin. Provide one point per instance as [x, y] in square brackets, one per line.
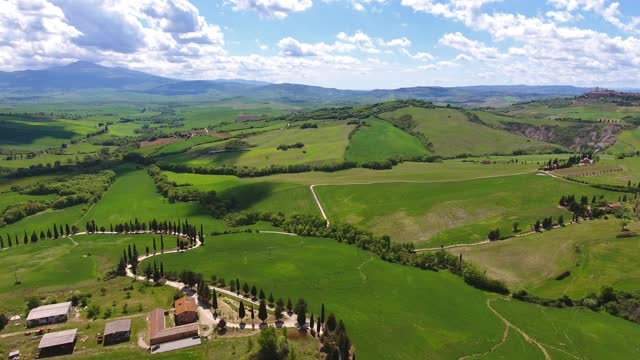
[57, 343]
[159, 334]
[49, 314]
[14, 355]
[117, 331]
[586, 161]
[186, 311]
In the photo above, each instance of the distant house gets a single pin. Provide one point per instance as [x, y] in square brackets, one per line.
[586, 161]
[159, 334]
[49, 314]
[614, 205]
[117, 332]
[57, 343]
[186, 311]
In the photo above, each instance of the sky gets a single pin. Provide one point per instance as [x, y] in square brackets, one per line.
[348, 44]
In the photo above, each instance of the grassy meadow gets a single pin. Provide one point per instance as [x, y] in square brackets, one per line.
[379, 140]
[451, 212]
[452, 133]
[589, 250]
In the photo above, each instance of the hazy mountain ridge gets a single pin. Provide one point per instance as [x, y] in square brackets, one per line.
[81, 76]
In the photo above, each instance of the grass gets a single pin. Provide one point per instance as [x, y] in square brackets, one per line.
[133, 194]
[607, 171]
[580, 332]
[322, 145]
[364, 291]
[627, 142]
[450, 212]
[590, 251]
[452, 133]
[379, 141]
[63, 264]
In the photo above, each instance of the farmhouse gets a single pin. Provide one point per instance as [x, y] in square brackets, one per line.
[49, 314]
[117, 331]
[57, 343]
[586, 161]
[186, 311]
[158, 334]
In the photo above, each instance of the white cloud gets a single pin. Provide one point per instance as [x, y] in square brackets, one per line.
[423, 56]
[399, 42]
[294, 48]
[358, 6]
[563, 16]
[545, 52]
[606, 9]
[463, 57]
[278, 9]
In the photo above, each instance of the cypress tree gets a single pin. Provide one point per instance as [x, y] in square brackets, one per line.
[55, 232]
[322, 314]
[161, 244]
[42, 235]
[214, 300]
[262, 311]
[241, 312]
[25, 239]
[34, 237]
[1, 242]
[154, 245]
[254, 292]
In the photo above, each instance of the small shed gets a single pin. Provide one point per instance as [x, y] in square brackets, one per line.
[14, 355]
[186, 311]
[117, 331]
[58, 343]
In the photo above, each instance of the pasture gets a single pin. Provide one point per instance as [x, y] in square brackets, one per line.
[450, 212]
[326, 144]
[379, 141]
[573, 332]
[589, 250]
[452, 133]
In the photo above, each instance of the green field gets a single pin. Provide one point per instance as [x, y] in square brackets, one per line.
[574, 332]
[359, 288]
[627, 142]
[325, 144]
[452, 133]
[590, 251]
[450, 212]
[380, 140]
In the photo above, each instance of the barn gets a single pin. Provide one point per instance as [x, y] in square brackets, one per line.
[57, 343]
[186, 311]
[49, 314]
[117, 331]
[159, 334]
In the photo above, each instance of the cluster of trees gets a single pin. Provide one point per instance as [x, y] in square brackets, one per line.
[216, 206]
[571, 161]
[617, 303]
[442, 260]
[335, 341]
[353, 112]
[3, 321]
[79, 189]
[494, 235]
[583, 208]
[57, 232]
[308, 126]
[547, 223]
[257, 172]
[250, 218]
[285, 147]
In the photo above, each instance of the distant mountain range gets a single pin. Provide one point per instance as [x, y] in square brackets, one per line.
[81, 76]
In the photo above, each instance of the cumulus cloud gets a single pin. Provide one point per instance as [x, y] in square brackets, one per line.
[278, 9]
[545, 50]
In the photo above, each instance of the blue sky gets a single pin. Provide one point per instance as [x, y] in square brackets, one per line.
[357, 44]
